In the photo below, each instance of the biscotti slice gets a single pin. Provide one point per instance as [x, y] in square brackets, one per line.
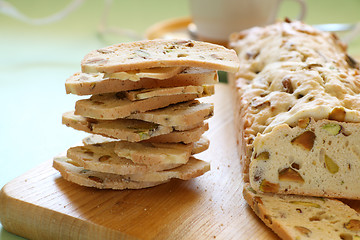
[101, 157]
[74, 173]
[186, 137]
[199, 146]
[295, 217]
[94, 139]
[95, 83]
[136, 75]
[123, 129]
[135, 95]
[154, 153]
[180, 114]
[128, 129]
[111, 106]
[160, 53]
[317, 158]
[290, 71]
[192, 169]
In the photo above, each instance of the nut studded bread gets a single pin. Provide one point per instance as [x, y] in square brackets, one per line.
[141, 94]
[122, 129]
[199, 146]
[136, 75]
[298, 217]
[159, 53]
[154, 153]
[188, 136]
[133, 130]
[111, 106]
[180, 114]
[96, 83]
[289, 72]
[318, 158]
[192, 169]
[101, 157]
[72, 172]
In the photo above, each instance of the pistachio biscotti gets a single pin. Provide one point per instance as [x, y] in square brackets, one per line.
[143, 113]
[297, 111]
[295, 217]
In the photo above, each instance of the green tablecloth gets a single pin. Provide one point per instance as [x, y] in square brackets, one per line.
[36, 60]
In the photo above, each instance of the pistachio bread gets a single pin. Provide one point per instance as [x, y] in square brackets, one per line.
[188, 136]
[122, 129]
[289, 73]
[159, 53]
[154, 153]
[318, 158]
[294, 217]
[136, 75]
[134, 130]
[180, 114]
[141, 94]
[72, 172]
[109, 106]
[101, 157]
[95, 83]
[199, 146]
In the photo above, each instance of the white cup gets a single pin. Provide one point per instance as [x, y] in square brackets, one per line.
[215, 20]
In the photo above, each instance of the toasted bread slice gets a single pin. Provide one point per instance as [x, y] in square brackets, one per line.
[154, 153]
[101, 157]
[199, 146]
[111, 106]
[180, 114]
[122, 129]
[96, 83]
[193, 168]
[136, 75]
[131, 130]
[73, 172]
[141, 94]
[188, 136]
[160, 53]
[295, 217]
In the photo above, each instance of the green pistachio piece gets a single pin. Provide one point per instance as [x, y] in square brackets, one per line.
[331, 165]
[306, 204]
[332, 128]
[262, 156]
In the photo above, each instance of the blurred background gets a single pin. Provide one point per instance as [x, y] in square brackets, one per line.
[36, 59]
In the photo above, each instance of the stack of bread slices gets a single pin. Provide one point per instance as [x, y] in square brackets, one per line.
[143, 113]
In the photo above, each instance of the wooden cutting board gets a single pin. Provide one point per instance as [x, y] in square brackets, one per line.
[41, 205]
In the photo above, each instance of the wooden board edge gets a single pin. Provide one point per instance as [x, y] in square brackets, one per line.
[32, 216]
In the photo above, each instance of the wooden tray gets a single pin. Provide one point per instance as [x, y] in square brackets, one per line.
[41, 205]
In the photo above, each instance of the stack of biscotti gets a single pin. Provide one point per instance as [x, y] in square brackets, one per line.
[144, 112]
[298, 127]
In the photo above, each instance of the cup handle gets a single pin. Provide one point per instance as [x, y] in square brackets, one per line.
[303, 9]
[352, 34]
